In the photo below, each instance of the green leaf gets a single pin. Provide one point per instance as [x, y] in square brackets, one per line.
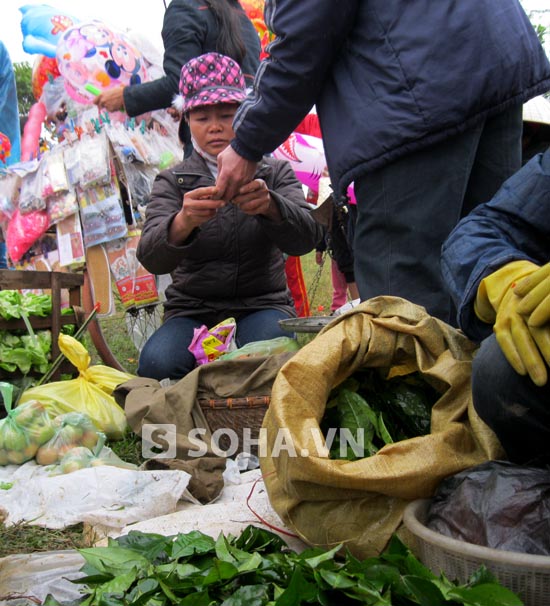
[336, 580]
[113, 591]
[424, 590]
[249, 595]
[298, 589]
[114, 560]
[149, 545]
[223, 551]
[253, 538]
[199, 598]
[325, 556]
[194, 542]
[485, 595]
[220, 571]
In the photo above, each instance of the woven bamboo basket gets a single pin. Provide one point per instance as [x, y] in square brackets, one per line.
[525, 574]
[240, 417]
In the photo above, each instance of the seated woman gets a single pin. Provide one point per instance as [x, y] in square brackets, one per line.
[226, 257]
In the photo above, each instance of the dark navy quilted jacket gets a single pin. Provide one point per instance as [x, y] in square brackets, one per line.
[513, 226]
[388, 76]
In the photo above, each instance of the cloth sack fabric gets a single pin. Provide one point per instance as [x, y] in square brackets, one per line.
[145, 401]
[360, 503]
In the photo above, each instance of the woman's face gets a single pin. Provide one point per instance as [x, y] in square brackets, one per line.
[212, 126]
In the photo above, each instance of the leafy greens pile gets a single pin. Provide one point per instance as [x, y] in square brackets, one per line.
[28, 350]
[377, 411]
[257, 569]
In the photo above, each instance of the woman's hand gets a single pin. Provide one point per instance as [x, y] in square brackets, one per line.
[199, 206]
[254, 199]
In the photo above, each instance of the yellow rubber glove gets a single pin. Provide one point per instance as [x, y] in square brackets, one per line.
[497, 303]
[535, 293]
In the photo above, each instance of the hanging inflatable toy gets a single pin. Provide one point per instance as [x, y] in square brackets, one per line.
[30, 141]
[41, 26]
[5, 147]
[93, 58]
[306, 155]
[44, 70]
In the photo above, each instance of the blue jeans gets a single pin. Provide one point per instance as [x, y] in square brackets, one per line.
[407, 209]
[165, 354]
[512, 405]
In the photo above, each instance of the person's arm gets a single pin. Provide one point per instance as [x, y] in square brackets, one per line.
[309, 35]
[513, 226]
[295, 230]
[171, 222]
[183, 35]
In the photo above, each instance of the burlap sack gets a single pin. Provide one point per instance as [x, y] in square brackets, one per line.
[361, 503]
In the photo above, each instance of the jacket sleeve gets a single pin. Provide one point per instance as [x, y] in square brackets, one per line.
[154, 251]
[184, 32]
[298, 233]
[309, 34]
[514, 225]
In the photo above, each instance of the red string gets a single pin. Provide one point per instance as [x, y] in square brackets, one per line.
[265, 522]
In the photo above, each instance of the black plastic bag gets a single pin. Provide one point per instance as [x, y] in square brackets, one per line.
[496, 504]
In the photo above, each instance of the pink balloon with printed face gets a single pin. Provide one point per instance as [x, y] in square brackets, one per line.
[92, 58]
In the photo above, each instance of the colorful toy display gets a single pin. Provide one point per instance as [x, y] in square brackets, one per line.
[5, 147]
[93, 58]
[44, 70]
[41, 26]
[31, 132]
[255, 11]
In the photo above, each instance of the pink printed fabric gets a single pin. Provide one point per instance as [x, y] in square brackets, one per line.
[211, 79]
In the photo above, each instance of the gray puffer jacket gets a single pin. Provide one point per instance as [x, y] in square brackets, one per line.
[234, 262]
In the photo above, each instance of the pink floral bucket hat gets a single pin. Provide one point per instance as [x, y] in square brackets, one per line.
[208, 80]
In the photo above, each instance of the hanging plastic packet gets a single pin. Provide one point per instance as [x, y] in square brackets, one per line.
[61, 206]
[71, 157]
[30, 196]
[9, 195]
[94, 160]
[24, 430]
[23, 231]
[54, 177]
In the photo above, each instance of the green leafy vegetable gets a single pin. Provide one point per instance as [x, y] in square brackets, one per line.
[257, 569]
[374, 411]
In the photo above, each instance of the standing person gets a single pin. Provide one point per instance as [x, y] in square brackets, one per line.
[495, 265]
[226, 259]
[190, 28]
[420, 106]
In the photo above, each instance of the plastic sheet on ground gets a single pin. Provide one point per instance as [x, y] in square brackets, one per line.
[238, 506]
[109, 496]
[33, 576]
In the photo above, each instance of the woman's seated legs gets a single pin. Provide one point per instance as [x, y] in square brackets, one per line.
[512, 405]
[165, 354]
[260, 326]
